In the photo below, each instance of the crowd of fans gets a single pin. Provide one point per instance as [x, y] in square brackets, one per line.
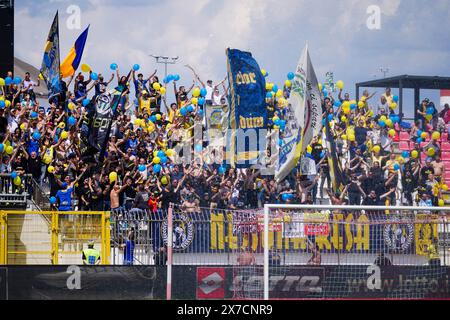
[139, 172]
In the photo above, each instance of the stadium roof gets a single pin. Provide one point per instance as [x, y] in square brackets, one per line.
[409, 82]
[21, 67]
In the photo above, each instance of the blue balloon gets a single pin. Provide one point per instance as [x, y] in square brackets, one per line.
[322, 154]
[190, 108]
[222, 170]
[86, 102]
[291, 76]
[2, 147]
[164, 160]
[201, 101]
[161, 154]
[72, 121]
[14, 175]
[396, 167]
[353, 106]
[8, 81]
[337, 103]
[330, 117]
[2, 104]
[324, 122]
[52, 200]
[430, 111]
[94, 76]
[325, 93]
[269, 95]
[203, 92]
[419, 140]
[17, 80]
[153, 119]
[142, 168]
[199, 148]
[277, 122]
[176, 77]
[395, 98]
[419, 132]
[280, 142]
[200, 113]
[136, 67]
[157, 168]
[183, 111]
[275, 88]
[382, 123]
[285, 197]
[283, 123]
[114, 66]
[33, 115]
[405, 154]
[36, 136]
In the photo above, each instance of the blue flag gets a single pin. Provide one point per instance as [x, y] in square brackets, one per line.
[248, 112]
[50, 70]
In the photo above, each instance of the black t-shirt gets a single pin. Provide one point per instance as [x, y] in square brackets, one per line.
[34, 167]
[317, 150]
[3, 125]
[425, 171]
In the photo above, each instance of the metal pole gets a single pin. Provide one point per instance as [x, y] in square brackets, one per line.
[169, 252]
[266, 252]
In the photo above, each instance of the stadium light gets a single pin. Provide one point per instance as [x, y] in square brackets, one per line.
[165, 60]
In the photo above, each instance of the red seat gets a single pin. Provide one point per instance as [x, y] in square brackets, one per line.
[445, 156]
[396, 138]
[404, 146]
[447, 165]
[447, 175]
[404, 136]
[423, 144]
[445, 146]
[444, 137]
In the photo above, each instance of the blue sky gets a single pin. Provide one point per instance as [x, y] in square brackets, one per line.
[413, 38]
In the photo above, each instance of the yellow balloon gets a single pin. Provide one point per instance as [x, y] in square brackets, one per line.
[71, 106]
[17, 181]
[441, 203]
[351, 138]
[340, 85]
[23, 126]
[436, 135]
[346, 104]
[361, 104]
[389, 123]
[429, 117]
[264, 72]
[344, 137]
[320, 87]
[288, 83]
[158, 117]
[196, 92]
[9, 150]
[268, 86]
[445, 187]
[156, 160]
[424, 135]
[363, 99]
[51, 169]
[376, 149]
[170, 152]
[162, 90]
[62, 125]
[353, 102]
[309, 149]
[2, 82]
[112, 176]
[279, 93]
[164, 180]
[415, 154]
[343, 118]
[392, 133]
[393, 106]
[431, 152]
[85, 67]
[194, 101]
[137, 122]
[383, 118]
[64, 135]
[156, 86]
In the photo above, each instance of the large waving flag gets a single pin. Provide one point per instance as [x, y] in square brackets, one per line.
[336, 172]
[248, 112]
[50, 70]
[73, 59]
[304, 116]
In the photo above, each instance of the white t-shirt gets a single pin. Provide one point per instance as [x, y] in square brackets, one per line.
[209, 92]
[26, 84]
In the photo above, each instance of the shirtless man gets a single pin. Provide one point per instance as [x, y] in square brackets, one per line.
[438, 166]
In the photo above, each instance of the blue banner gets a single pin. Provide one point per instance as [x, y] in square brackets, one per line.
[50, 70]
[248, 113]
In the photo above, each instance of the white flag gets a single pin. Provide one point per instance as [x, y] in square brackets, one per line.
[303, 117]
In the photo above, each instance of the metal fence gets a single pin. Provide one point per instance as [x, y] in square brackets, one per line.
[12, 195]
[43, 237]
[222, 237]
